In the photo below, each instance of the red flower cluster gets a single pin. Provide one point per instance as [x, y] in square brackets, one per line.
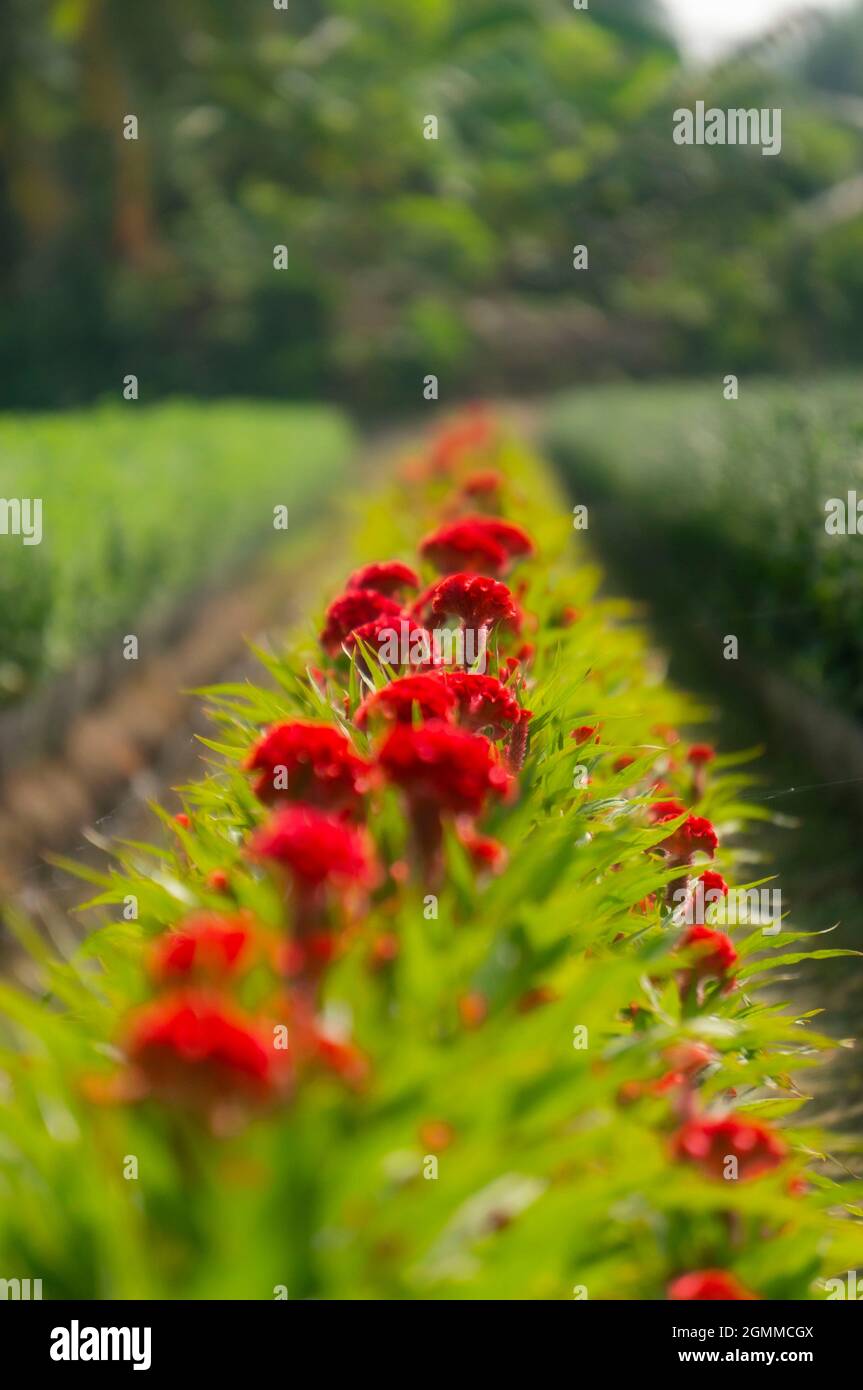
[355, 610]
[386, 577]
[204, 945]
[711, 1143]
[316, 849]
[478, 601]
[712, 951]
[313, 763]
[443, 766]
[695, 836]
[196, 1050]
[476, 545]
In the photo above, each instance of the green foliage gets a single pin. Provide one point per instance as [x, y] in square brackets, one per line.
[744, 482]
[139, 507]
[549, 1182]
[259, 128]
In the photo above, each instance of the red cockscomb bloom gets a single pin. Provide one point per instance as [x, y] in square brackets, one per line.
[386, 577]
[709, 1143]
[443, 766]
[696, 834]
[203, 944]
[688, 1056]
[198, 1051]
[712, 882]
[662, 811]
[468, 434]
[713, 952]
[429, 694]
[317, 762]
[353, 610]
[484, 485]
[484, 702]
[315, 848]
[485, 852]
[477, 545]
[715, 1285]
[392, 637]
[700, 753]
[478, 601]
[585, 732]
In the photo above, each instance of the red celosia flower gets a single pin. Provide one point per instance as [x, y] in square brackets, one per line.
[342, 1058]
[353, 610]
[701, 753]
[182, 820]
[478, 601]
[316, 848]
[203, 944]
[584, 732]
[218, 880]
[688, 1056]
[391, 637]
[712, 882]
[484, 702]
[624, 761]
[713, 952]
[316, 761]
[443, 766]
[473, 431]
[662, 811]
[483, 485]
[695, 834]
[708, 1143]
[196, 1050]
[386, 577]
[429, 694]
[485, 852]
[477, 545]
[708, 1284]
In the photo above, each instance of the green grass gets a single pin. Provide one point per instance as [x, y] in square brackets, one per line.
[141, 506]
[735, 491]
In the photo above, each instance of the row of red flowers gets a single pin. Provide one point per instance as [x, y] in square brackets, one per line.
[452, 743]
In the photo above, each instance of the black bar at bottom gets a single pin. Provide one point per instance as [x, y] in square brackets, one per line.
[85, 1340]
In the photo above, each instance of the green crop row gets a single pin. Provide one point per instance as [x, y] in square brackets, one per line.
[139, 507]
[741, 493]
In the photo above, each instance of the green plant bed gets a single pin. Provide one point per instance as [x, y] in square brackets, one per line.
[737, 491]
[139, 507]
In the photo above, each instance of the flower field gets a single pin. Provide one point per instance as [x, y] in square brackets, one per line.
[154, 491]
[398, 1006]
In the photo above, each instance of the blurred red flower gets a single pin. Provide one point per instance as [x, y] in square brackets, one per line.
[443, 766]
[712, 951]
[477, 545]
[317, 762]
[696, 834]
[384, 577]
[351, 611]
[315, 848]
[205, 943]
[708, 1143]
[708, 1284]
[195, 1049]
